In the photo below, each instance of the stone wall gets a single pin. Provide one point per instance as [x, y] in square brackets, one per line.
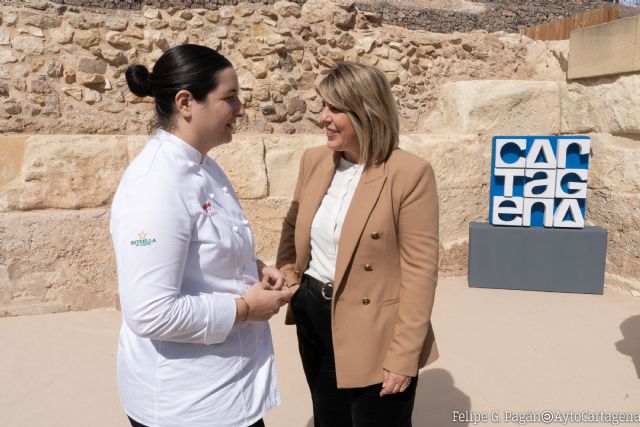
[499, 16]
[455, 92]
[558, 4]
[164, 4]
[65, 74]
[55, 248]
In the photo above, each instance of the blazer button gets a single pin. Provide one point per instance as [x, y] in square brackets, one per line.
[365, 301]
[368, 267]
[375, 235]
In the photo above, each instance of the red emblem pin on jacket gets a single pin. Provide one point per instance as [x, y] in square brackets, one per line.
[208, 207]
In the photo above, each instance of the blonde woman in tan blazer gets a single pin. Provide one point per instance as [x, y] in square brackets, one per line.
[359, 247]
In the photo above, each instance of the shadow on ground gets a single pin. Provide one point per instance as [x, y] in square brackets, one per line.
[436, 399]
[630, 342]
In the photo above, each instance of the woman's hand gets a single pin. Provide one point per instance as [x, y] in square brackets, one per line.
[265, 301]
[394, 383]
[274, 277]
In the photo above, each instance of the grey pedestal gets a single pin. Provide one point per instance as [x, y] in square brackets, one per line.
[537, 259]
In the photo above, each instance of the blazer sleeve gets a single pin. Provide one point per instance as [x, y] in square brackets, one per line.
[418, 244]
[286, 258]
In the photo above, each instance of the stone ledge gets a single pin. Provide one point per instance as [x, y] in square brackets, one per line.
[66, 172]
[604, 105]
[611, 48]
[498, 107]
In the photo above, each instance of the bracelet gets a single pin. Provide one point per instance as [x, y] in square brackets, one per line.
[248, 308]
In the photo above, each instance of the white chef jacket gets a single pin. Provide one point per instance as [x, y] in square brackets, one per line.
[327, 223]
[184, 251]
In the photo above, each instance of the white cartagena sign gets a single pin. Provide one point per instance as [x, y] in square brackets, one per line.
[539, 181]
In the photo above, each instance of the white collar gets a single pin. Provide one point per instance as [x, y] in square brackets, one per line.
[182, 146]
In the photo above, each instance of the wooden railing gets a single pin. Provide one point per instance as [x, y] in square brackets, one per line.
[561, 29]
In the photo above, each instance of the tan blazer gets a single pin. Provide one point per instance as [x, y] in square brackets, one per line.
[386, 266]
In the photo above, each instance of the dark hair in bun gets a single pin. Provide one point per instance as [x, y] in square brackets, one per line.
[138, 80]
[188, 67]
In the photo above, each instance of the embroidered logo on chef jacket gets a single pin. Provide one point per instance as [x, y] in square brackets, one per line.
[143, 240]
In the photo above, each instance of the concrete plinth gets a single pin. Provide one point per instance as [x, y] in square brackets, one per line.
[537, 259]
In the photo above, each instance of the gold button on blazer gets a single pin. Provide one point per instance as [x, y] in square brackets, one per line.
[397, 202]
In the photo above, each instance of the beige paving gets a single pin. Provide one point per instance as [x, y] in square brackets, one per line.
[502, 351]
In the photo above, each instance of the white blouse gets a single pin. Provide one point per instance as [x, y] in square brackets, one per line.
[327, 223]
[184, 251]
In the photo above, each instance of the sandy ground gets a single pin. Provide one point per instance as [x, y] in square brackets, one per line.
[500, 351]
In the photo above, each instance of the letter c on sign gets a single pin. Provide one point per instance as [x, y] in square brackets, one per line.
[510, 152]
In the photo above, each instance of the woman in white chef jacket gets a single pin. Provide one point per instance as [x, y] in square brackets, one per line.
[195, 348]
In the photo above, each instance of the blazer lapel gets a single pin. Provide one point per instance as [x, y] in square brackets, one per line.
[314, 193]
[363, 202]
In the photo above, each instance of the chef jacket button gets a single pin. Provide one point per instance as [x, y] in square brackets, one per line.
[368, 267]
[235, 228]
[192, 164]
[366, 301]
[375, 235]
[225, 189]
[245, 221]
[211, 195]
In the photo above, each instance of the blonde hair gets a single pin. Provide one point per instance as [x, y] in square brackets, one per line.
[364, 94]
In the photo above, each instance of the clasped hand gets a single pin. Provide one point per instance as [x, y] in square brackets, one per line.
[266, 297]
[272, 293]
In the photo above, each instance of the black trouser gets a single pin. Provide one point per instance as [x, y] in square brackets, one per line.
[134, 423]
[334, 407]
